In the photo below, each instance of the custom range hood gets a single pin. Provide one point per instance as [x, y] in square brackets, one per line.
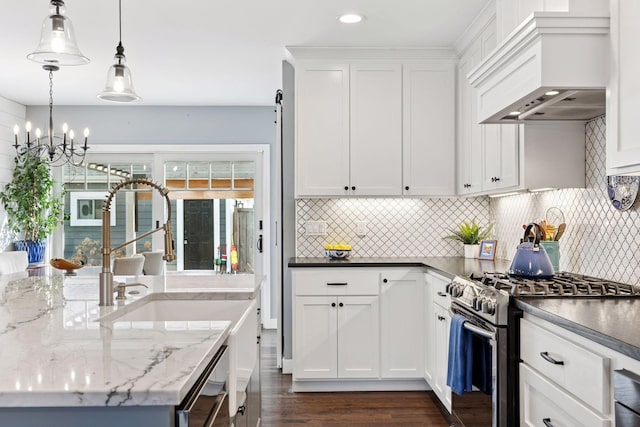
[552, 67]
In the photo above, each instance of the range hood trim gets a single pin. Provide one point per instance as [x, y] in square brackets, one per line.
[530, 37]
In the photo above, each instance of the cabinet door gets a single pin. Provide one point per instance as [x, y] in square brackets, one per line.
[358, 337]
[428, 116]
[376, 130]
[623, 94]
[469, 131]
[402, 324]
[500, 143]
[430, 334]
[322, 129]
[442, 322]
[315, 342]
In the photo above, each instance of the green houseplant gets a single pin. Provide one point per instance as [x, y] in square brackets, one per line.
[470, 234]
[33, 210]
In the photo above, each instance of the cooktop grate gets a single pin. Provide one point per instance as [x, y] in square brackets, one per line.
[562, 284]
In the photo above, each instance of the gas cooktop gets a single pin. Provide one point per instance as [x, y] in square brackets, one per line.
[562, 284]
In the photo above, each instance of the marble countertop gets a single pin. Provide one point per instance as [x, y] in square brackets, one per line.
[607, 321]
[448, 266]
[54, 351]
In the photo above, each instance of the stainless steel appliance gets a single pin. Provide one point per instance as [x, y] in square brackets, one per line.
[485, 313]
[626, 390]
[207, 404]
[485, 302]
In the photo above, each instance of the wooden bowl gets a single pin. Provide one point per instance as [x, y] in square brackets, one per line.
[63, 264]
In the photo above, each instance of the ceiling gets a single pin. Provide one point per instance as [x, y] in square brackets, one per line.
[209, 52]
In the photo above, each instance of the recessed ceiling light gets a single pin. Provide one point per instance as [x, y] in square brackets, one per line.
[350, 18]
[552, 93]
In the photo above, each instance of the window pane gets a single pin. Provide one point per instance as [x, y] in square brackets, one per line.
[221, 175]
[73, 175]
[243, 174]
[198, 175]
[176, 174]
[97, 177]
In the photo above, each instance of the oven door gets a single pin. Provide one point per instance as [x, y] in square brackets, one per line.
[207, 403]
[486, 405]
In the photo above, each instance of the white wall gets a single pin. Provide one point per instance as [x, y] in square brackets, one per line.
[11, 113]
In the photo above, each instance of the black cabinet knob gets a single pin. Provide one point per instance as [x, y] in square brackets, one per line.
[467, 185]
[406, 188]
[333, 304]
[497, 178]
[353, 188]
[341, 305]
[346, 188]
[384, 280]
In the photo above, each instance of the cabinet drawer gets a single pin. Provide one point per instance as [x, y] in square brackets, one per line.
[577, 369]
[438, 288]
[542, 400]
[336, 281]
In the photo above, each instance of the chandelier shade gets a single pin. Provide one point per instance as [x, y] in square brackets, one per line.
[57, 40]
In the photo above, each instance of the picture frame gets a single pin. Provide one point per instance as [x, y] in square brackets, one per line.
[86, 208]
[488, 249]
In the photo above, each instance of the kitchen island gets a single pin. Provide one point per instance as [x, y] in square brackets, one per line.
[62, 365]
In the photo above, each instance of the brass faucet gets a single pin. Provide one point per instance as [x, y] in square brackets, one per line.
[106, 276]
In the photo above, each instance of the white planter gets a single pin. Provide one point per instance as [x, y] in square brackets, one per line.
[471, 251]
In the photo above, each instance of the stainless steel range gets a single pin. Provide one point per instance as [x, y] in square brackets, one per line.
[485, 304]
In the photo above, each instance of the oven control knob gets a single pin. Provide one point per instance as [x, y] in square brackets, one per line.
[485, 306]
[477, 303]
[459, 291]
[448, 288]
[492, 308]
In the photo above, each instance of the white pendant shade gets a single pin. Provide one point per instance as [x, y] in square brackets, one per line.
[57, 40]
[119, 87]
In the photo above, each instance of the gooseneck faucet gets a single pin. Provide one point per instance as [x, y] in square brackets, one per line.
[106, 276]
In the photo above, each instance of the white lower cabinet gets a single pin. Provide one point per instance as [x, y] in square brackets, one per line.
[543, 403]
[336, 337]
[402, 324]
[437, 322]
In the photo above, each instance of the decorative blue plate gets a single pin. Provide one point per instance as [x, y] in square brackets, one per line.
[622, 190]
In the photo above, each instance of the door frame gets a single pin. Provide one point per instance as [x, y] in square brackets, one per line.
[161, 153]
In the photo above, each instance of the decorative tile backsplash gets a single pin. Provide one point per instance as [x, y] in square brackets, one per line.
[395, 227]
[599, 240]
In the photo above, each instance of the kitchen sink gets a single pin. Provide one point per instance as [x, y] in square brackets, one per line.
[187, 307]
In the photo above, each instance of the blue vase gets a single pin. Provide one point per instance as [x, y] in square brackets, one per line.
[34, 249]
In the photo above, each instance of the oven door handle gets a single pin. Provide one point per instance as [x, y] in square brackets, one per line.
[477, 330]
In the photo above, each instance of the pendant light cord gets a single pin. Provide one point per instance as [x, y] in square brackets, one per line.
[51, 108]
[120, 18]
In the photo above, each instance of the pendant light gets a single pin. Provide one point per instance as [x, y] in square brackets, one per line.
[119, 87]
[57, 40]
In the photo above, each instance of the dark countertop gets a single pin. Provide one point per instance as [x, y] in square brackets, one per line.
[448, 266]
[607, 321]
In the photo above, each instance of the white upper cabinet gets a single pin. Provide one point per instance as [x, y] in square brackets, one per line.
[500, 157]
[378, 122]
[376, 129]
[322, 123]
[623, 101]
[428, 129]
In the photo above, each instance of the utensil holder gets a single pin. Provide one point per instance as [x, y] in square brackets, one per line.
[553, 250]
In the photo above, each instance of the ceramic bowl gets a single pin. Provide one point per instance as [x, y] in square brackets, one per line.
[337, 253]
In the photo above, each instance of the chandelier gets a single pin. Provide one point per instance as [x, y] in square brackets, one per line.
[57, 150]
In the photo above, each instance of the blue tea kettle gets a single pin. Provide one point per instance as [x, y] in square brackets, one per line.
[531, 260]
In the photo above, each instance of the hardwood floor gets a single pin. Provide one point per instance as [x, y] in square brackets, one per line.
[282, 407]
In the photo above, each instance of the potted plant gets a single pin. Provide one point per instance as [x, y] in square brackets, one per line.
[33, 210]
[470, 234]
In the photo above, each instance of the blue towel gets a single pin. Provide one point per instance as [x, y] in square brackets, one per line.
[482, 364]
[460, 363]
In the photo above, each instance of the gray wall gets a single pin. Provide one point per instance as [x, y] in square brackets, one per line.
[288, 201]
[171, 125]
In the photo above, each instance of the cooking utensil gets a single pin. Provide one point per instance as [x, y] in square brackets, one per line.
[554, 216]
[531, 259]
[560, 231]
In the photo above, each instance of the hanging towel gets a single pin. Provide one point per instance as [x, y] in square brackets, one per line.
[460, 362]
[482, 364]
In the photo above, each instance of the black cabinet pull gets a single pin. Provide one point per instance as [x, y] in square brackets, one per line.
[333, 304]
[242, 409]
[353, 187]
[384, 280]
[441, 294]
[337, 283]
[406, 188]
[346, 188]
[440, 317]
[341, 305]
[497, 178]
[547, 422]
[545, 356]
[467, 185]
